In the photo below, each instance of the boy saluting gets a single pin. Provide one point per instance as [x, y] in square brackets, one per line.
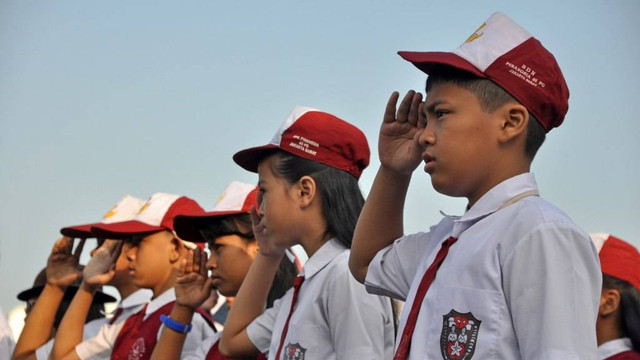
[154, 253]
[514, 277]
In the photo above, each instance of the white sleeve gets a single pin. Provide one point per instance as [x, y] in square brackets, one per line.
[7, 344]
[361, 324]
[42, 353]
[552, 285]
[261, 328]
[200, 332]
[203, 349]
[101, 345]
[392, 270]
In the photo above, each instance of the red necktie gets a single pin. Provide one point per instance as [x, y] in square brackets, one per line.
[115, 316]
[297, 282]
[427, 279]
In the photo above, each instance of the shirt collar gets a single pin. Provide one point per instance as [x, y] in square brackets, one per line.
[160, 301]
[136, 298]
[614, 347]
[493, 200]
[322, 258]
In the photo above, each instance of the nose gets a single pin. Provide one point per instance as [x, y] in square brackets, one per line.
[427, 137]
[212, 263]
[131, 253]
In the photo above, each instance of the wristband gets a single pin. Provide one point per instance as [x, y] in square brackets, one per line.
[174, 325]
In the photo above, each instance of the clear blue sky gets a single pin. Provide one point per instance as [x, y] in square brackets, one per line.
[104, 98]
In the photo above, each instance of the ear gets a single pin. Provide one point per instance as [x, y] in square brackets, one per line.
[253, 248]
[306, 190]
[514, 119]
[609, 302]
[176, 250]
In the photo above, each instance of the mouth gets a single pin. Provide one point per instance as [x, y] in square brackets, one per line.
[132, 271]
[429, 162]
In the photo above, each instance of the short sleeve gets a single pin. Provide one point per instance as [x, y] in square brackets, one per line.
[200, 332]
[101, 345]
[361, 324]
[260, 329]
[392, 270]
[552, 282]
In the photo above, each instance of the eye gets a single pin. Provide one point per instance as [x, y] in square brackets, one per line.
[440, 113]
[260, 195]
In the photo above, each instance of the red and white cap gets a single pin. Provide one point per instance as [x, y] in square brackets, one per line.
[126, 209]
[618, 258]
[317, 136]
[155, 215]
[237, 198]
[505, 53]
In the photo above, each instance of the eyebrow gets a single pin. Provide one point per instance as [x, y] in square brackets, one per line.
[431, 107]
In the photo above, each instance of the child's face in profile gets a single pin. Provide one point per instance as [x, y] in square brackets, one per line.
[277, 206]
[150, 259]
[459, 142]
[231, 257]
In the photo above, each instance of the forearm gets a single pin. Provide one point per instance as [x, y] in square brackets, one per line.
[69, 333]
[170, 345]
[247, 306]
[39, 323]
[381, 220]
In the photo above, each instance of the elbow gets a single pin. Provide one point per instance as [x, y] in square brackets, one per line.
[358, 270]
[224, 349]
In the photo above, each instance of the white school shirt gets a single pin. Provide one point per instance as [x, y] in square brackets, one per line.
[521, 282]
[101, 345]
[614, 347]
[201, 352]
[334, 317]
[130, 305]
[7, 344]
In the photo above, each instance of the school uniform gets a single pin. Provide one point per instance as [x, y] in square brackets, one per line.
[7, 344]
[333, 318]
[618, 349]
[522, 281]
[129, 306]
[209, 350]
[136, 336]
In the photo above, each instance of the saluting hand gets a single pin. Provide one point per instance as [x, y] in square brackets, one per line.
[101, 268]
[62, 264]
[398, 145]
[193, 286]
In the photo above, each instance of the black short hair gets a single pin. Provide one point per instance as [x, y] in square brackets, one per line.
[341, 197]
[491, 97]
[240, 225]
[629, 307]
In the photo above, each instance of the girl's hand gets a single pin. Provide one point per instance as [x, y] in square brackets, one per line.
[266, 246]
[62, 265]
[101, 268]
[193, 286]
[398, 146]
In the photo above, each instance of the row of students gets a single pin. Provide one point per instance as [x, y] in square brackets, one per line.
[512, 278]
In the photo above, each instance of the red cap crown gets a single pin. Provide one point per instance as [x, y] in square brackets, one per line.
[155, 215]
[314, 135]
[504, 52]
[237, 198]
[618, 258]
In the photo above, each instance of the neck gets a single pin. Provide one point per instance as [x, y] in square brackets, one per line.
[500, 177]
[311, 244]
[126, 289]
[165, 285]
[607, 329]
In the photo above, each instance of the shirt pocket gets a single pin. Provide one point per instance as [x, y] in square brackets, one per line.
[466, 323]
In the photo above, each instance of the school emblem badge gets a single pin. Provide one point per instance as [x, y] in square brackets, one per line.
[294, 352]
[459, 335]
[137, 350]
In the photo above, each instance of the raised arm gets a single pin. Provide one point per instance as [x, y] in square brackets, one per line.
[381, 219]
[62, 271]
[99, 271]
[192, 288]
[251, 298]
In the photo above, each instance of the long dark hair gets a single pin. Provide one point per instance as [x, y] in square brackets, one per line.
[240, 225]
[629, 307]
[341, 197]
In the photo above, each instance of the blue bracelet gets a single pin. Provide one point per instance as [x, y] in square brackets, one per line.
[174, 325]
